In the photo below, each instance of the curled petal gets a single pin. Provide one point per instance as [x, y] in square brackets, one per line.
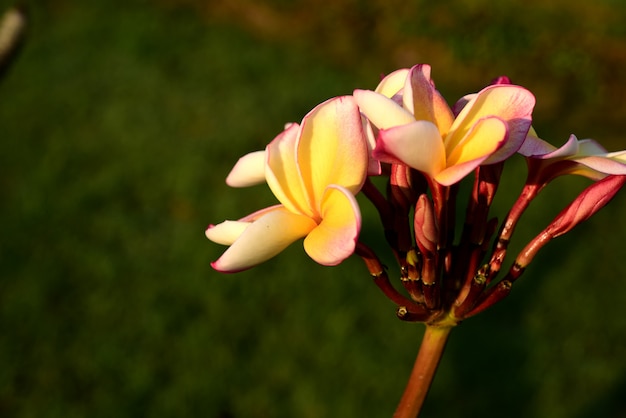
[460, 104]
[538, 148]
[417, 145]
[248, 171]
[282, 172]
[456, 173]
[263, 239]
[334, 239]
[383, 112]
[373, 167]
[424, 101]
[226, 232]
[332, 148]
[393, 83]
[569, 149]
[535, 147]
[580, 157]
[513, 104]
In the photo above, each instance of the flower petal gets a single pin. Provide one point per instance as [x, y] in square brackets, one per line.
[458, 172]
[481, 141]
[460, 104]
[227, 232]
[334, 239]
[263, 239]
[393, 83]
[332, 148]
[380, 110]
[534, 146]
[424, 101]
[617, 156]
[248, 171]
[417, 145]
[373, 167]
[569, 149]
[513, 104]
[603, 165]
[282, 173]
[590, 147]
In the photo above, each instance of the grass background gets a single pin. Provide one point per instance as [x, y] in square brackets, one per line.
[119, 122]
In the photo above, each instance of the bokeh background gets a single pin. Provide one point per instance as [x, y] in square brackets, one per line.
[119, 122]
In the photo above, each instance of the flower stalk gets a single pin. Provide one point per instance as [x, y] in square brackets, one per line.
[428, 358]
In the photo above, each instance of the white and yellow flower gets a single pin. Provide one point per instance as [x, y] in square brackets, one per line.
[314, 170]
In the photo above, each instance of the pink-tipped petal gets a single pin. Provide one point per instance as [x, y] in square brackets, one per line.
[417, 145]
[248, 171]
[332, 148]
[569, 149]
[256, 215]
[282, 173]
[334, 239]
[393, 83]
[513, 104]
[424, 101]
[383, 112]
[458, 172]
[535, 147]
[460, 104]
[263, 239]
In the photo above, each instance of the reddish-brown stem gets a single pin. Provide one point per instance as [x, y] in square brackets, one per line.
[492, 296]
[381, 279]
[428, 357]
[474, 290]
[529, 192]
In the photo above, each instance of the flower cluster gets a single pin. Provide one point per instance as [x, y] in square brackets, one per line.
[406, 131]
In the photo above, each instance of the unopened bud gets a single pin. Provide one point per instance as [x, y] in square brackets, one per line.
[426, 230]
[590, 201]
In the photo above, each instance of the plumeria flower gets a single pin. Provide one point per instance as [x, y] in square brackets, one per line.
[314, 170]
[583, 157]
[416, 127]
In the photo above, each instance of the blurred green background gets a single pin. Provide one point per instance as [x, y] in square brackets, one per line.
[119, 122]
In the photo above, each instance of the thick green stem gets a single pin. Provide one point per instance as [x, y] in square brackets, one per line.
[431, 350]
